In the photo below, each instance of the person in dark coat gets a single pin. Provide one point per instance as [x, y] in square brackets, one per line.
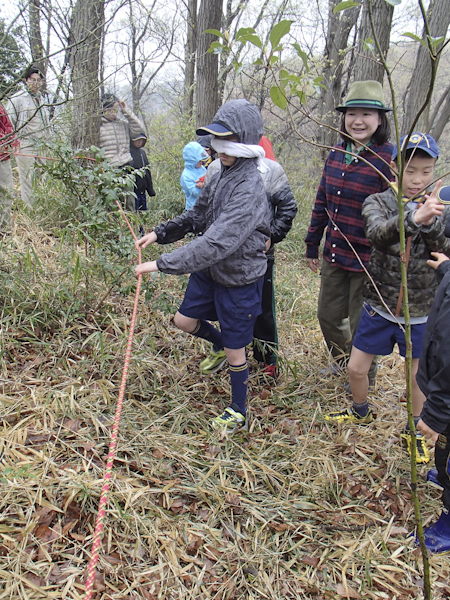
[433, 378]
[144, 183]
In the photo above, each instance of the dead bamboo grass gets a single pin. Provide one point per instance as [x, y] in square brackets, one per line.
[291, 509]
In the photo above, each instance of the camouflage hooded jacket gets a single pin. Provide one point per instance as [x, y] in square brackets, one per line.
[381, 224]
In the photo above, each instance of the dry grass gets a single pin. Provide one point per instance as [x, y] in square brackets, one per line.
[293, 508]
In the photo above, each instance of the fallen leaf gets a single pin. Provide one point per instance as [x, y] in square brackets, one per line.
[278, 526]
[193, 546]
[398, 530]
[211, 451]
[33, 580]
[44, 534]
[347, 592]
[312, 561]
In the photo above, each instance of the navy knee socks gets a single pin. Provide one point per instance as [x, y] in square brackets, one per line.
[208, 332]
[239, 384]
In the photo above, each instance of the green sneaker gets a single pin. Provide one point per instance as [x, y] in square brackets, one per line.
[422, 452]
[350, 416]
[230, 420]
[213, 363]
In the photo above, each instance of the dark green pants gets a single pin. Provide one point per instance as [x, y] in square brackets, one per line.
[339, 309]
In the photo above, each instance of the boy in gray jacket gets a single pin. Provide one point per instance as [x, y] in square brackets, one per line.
[227, 263]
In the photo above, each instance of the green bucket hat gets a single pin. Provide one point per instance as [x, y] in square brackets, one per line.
[364, 94]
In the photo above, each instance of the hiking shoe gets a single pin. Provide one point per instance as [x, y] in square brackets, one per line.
[422, 453]
[230, 420]
[350, 416]
[268, 375]
[213, 363]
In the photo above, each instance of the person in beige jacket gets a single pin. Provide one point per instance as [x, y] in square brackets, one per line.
[116, 134]
[30, 121]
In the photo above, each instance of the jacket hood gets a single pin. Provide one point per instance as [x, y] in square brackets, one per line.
[192, 153]
[242, 118]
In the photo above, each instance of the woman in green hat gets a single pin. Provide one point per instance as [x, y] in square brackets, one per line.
[355, 168]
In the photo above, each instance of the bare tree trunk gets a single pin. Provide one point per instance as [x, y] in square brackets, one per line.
[438, 15]
[441, 116]
[227, 21]
[190, 49]
[88, 20]
[367, 64]
[339, 28]
[36, 45]
[207, 94]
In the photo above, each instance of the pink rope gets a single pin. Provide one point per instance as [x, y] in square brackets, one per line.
[112, 446]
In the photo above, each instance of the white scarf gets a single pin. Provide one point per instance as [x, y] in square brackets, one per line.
[241, 151]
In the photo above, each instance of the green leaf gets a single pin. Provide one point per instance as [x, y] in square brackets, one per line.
[393, 2]
[435, 41]
[415, 37]
[302, 55]
[215, 32]
[252, 38]
[278, 97]
[258, 62]
[216, 48]
[280, 30]
[317, 82]
[345, 5]
[369, 45]
[273, 60]
[301, 96]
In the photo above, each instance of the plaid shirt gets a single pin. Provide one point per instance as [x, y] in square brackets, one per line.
[342, 191]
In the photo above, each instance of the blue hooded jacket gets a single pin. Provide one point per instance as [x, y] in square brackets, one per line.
[192, 153]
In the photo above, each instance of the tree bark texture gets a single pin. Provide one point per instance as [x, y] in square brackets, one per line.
[87, 29]
[36, 45]
[338, 31]
[367, 64]
[438, 15]
[189, 65]
[207, 93]
[441, 116]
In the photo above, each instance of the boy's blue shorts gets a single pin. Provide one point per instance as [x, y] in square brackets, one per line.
[236, 308]
[376, 335]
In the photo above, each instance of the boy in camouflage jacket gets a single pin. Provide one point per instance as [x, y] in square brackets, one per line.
[382, 320]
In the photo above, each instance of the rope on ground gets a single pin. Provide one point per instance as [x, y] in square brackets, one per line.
[112, 446]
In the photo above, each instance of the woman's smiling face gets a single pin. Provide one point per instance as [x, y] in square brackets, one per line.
[361, 124]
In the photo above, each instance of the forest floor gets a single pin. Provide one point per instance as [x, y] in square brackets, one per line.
[291, 508]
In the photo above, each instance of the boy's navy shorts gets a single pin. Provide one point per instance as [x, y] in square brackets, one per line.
[236, 308]
[376, 335]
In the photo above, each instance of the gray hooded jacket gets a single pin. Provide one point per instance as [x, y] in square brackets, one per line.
[232, 212]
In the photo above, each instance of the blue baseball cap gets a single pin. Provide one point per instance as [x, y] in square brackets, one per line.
[419, 140]
[214, 129]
